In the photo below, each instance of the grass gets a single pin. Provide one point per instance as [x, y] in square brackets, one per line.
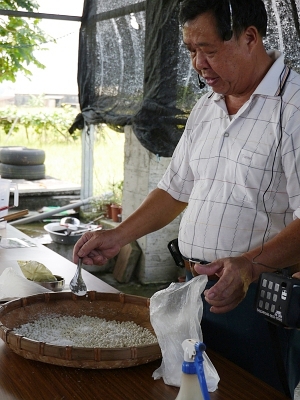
[63, 157]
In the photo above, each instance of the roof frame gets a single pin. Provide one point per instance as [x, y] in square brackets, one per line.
[29, 14]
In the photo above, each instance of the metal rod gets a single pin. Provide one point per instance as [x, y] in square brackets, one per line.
[30, 14]
[52, 212]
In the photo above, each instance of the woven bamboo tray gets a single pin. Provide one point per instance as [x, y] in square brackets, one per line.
[111, 306]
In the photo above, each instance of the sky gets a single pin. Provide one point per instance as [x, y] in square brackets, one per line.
[60, 74]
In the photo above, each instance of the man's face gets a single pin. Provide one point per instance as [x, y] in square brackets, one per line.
[223, 64]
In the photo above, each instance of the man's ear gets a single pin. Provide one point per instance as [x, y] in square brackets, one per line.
[251, 37]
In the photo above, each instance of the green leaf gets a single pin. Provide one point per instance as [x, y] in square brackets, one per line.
[19, 39]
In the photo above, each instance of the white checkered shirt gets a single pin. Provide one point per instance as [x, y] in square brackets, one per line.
[229, 171]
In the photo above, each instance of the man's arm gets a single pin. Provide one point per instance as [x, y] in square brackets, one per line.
[236, 273]
[157, 210]
[280, 252]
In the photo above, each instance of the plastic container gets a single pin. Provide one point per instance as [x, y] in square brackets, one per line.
[6, 186]
[189, 388]
[193, 383]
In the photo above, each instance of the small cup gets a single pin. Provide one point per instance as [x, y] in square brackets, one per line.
[55, 286]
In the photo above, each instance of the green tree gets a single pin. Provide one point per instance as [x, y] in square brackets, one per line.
[19, 38]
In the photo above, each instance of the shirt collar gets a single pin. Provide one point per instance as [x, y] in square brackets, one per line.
[270, 83]
[266, 86]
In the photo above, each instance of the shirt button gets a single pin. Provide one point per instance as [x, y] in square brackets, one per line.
[226, 134]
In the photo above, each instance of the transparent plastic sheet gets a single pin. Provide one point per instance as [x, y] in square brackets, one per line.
[13, 284]
[175, 314]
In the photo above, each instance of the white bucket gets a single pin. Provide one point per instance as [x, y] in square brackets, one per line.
[6, 186]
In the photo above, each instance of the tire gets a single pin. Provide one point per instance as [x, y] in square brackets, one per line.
[17, 155]
[27, 172]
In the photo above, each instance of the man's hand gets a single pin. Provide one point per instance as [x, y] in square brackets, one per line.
[95, 248]
[235, 275]
[296, 275]
[157, 210]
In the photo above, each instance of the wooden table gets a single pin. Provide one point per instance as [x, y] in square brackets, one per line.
[22, 379]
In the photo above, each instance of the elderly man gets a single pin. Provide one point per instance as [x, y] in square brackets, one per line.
[235, 174]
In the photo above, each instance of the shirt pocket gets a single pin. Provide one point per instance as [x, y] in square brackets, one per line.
[253, 177]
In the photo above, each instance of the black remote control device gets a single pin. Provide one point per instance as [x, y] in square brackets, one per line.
[278, 299]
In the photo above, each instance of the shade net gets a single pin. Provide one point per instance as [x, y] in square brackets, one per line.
[133, 68]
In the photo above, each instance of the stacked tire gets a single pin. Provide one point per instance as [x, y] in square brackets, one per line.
[18, 162]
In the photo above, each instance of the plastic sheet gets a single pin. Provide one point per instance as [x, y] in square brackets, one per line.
[13, 284]
[175, 314]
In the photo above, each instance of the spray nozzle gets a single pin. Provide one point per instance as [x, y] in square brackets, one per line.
[189, 350]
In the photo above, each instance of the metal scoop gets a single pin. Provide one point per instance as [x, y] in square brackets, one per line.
[77, 284]
[70, 221]
[71, 224]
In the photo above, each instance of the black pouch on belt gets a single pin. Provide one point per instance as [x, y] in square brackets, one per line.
[175, 253]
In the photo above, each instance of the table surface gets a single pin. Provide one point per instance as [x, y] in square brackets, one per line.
[57, 264]
[23, 379]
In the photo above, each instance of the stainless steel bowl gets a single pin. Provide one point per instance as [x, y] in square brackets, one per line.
[59, 234]
[55, 286]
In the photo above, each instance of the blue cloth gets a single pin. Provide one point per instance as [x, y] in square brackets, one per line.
[242, 336]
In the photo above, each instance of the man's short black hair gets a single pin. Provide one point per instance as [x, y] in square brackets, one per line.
[245, 13]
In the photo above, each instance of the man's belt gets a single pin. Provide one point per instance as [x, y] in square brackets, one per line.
[190, 263]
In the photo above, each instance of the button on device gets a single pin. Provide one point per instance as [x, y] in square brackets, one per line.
[270, 285]
[262, 293]
[273, 308]
[276, 288]
[275, 297]
[264, 283]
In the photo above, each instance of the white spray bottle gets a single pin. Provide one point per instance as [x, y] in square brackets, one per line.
[193, 383]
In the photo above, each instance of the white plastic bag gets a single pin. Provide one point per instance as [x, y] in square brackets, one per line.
[14, 284]
[175, 314]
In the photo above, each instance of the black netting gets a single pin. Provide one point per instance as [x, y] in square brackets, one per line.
[134, 70]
